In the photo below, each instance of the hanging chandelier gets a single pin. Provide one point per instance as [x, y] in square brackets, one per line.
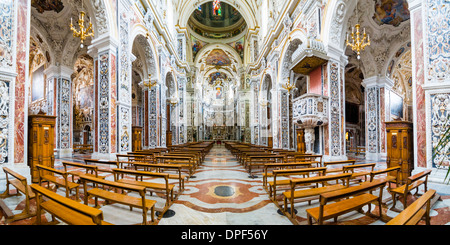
[358, 42]
[83, 33]
[288, 86]
[149, 84]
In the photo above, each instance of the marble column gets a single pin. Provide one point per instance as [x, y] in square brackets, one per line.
[377, 113]
[430, 78]
[124, 70]
[336, 118]
[64, 111]
[104, 51]
[152, 127]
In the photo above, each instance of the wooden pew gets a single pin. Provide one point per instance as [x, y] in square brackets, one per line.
[88, 169]
[261, 160]
[391, 175]
[286, 165]
[415, 212]
[308, 194]
[63, 181]
[165, 188]
[274, 184]
[184, 161]
[331, 165]
[69, 211]
[355, 175]
[99, 162]
[138, 202]
[358, 198]
[20, 183]
[412, 182]
[161, 168]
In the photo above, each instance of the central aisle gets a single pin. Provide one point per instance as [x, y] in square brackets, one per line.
[222, 194]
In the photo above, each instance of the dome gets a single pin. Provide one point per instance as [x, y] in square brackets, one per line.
[224, 22]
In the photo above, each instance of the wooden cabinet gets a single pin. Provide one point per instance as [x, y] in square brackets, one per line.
[137, 138]
[399, 149]
[41, 142]
[301, 147]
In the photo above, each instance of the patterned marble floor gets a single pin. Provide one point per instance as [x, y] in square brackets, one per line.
[221, 193]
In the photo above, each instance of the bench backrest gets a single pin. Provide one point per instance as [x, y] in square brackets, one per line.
[353, 190]
[353, 167]
[119, 171]
[22, 179]
[50, 169]
[8, 171]
[385, 171]
[285, 172]
[322, 179]
[339, 162]
[92, 168]
[94, 213]
[423, 174]
[85, 179]
[409, 215]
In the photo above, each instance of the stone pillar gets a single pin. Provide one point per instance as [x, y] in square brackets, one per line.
[152, 127]
[124, 100]
[336, 119]
[377, 112]
[64, 112]
[430, 78]
[104, 49]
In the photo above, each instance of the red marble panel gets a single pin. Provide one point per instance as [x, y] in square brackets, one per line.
[21, 62]
[113, 90]
[420, 94]
[315, 81]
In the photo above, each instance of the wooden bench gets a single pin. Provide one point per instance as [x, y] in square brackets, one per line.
[274, 184]
[69, 211]
[100, 162]
[20, 183]
[292, 165]
[138, 202]
[355, 175]
[412, 182]
[311, 193]
[165, 188]
[90, 170]
[358, 198]
[161, 168]
[63, 181]
[186, 162]
[331, 165]
[261, 160]
[415, 212]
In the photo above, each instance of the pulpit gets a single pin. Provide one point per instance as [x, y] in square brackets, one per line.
[399, 148]
[136, 138]
[41, 142]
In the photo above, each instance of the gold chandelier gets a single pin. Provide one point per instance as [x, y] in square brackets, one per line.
[149, 84]
[288, 86]
[83, 33]
[358, 43]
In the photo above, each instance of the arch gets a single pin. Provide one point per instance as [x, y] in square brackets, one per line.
[206, 49]
[337, 14]
[137, 31]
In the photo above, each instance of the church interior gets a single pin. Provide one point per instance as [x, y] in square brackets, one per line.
[224, 112]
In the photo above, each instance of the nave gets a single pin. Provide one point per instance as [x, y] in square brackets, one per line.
[220, 192]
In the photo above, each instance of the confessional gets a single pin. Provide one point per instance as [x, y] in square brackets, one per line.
[41, 143]
[400, 152]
